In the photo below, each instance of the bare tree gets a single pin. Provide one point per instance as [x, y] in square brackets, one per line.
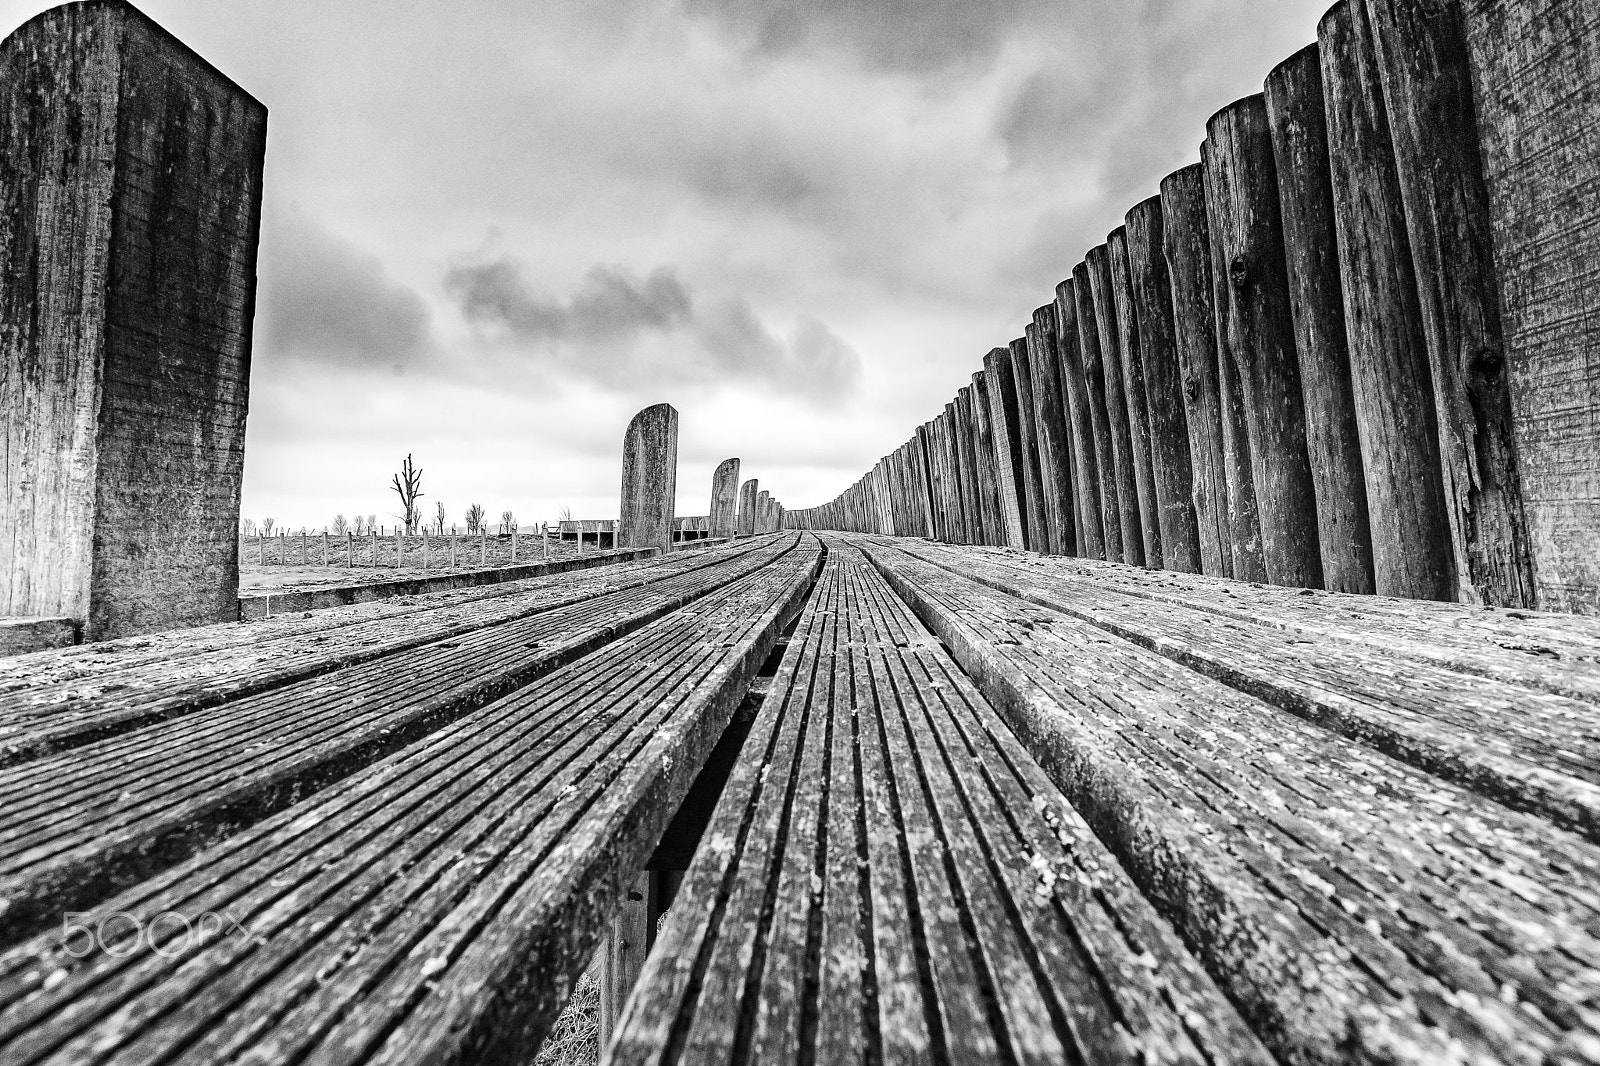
[340, 526]
[247, 527]
[508, 522]
[266, 526]
[566, 514]
[407, 484]
[372, 523]
[438, 517]
[474, 517]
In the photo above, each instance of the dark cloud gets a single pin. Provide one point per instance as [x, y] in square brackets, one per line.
[629, 334]
[324, 300]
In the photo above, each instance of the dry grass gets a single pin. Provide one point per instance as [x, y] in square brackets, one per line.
[575, 1038]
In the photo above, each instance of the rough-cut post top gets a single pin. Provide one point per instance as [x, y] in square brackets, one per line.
[649, 478]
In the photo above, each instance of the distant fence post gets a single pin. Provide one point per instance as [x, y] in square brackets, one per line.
[725, 499]
[649, 479]
[747, 507]
[129, 223]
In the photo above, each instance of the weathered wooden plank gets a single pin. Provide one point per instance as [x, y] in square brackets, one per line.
[1110, 371]
[1421, 57]
[724, 518]
[1186, 234]
[1536, 80]
[1099, 421]
[1256, 336]
[1003, 421]
[1088, 514]
[82, 824]
[900, 876]
[1345, 900]
[372, 940]
[1298, 119]
[1035, 525]
[1171, 468]
[1132, 359]
[1411, 553]
[130, 208]
[1050, 427]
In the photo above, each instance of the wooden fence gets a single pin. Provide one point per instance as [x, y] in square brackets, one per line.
[1354, 347]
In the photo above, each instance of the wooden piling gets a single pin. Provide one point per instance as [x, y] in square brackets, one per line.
[1131, 357]
[724, 499]
[1390, 381]
[129, 220]
[1050, 428]
[1298, 121]
[971, 479]
[1421, 53]
[1257, 335]
[1034, 528]
[1099, 421]
[763, 511]
[649, 479]
[1088, 510]
[747, 507]
[1008, 452]
[988, 465]
[1116, 404]
[1536, 79]
[1164, 404]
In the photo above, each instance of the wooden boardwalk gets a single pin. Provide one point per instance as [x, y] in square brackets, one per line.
[993, 807]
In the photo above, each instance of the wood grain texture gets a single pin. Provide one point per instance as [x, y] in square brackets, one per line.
[1536, 79]
[988, 462]
[1035, 525]
[130, 196]
[1256, 331]
[1123, 462]
[1187, 236]
[1099, 420]
[1171, 468]
[1298, 120]
[747, 507]
[1411, 542]
[1421, 52]
[649, 479]
[724, 517]
[1050, 427]
[971, 478]
[894, 879]
[1003, 422]
[1132, 359]
[1088, 514]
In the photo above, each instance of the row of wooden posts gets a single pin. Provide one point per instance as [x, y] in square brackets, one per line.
[1288, 367]
[333, 545]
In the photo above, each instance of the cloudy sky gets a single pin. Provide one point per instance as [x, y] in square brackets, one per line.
[494, 230]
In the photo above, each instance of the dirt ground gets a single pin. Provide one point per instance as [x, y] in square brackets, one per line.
[293, 565]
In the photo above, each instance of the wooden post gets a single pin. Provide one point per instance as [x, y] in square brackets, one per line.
[1035, 529]
[1411, 545]
[988, 471]
[1257, 334]
[971, 473]
[1164, 404]
[425, 548]
[1050, 427]
[1299, 126]
[1536, 74]
[623, 953]
[763, 510]
[649, 479]
[483, 546]
[544, 536]
[1132, 359]
[349, 550]
[1089, 513]
[1186, 234]
[374, 533]
[1099, 419]
[725, 499]
[1421, 52]
[324, 547]
[1108, 369]
[129, 217]
[747, 507]
[1008, 453]
[305, 548]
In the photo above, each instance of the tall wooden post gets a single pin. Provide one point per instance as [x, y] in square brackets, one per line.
[1298, 119]
[1132, 359]
[747, 507]
[1257, 334]
[763, 511]
[1008, 450]
[724, 499]
[130, 201]
[1087, 514]
[1536, 75]
[1099, 420]
[1116, 404]
[649, 479]
[1050, 428]
[987, 465]
[1411, 544]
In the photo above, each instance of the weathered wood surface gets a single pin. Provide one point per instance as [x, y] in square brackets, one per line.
[1187, 236]
[438, 906]
[1131, 356]
[994, 524]
[18, 636]
[724, 517]
[1003, 424]
[80, 824]
[1255, 330]
[1411, 542]
[1298, 119]
[1088, 514]
[971, 477]
[649, 479]
[1421, 55]
[130, 197]
[747, 507]
[1050, 427]
[1099, 421]
[1035, 526]
[1110, 366]
[1351, 904]
[1536, 78]
[890, 877]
